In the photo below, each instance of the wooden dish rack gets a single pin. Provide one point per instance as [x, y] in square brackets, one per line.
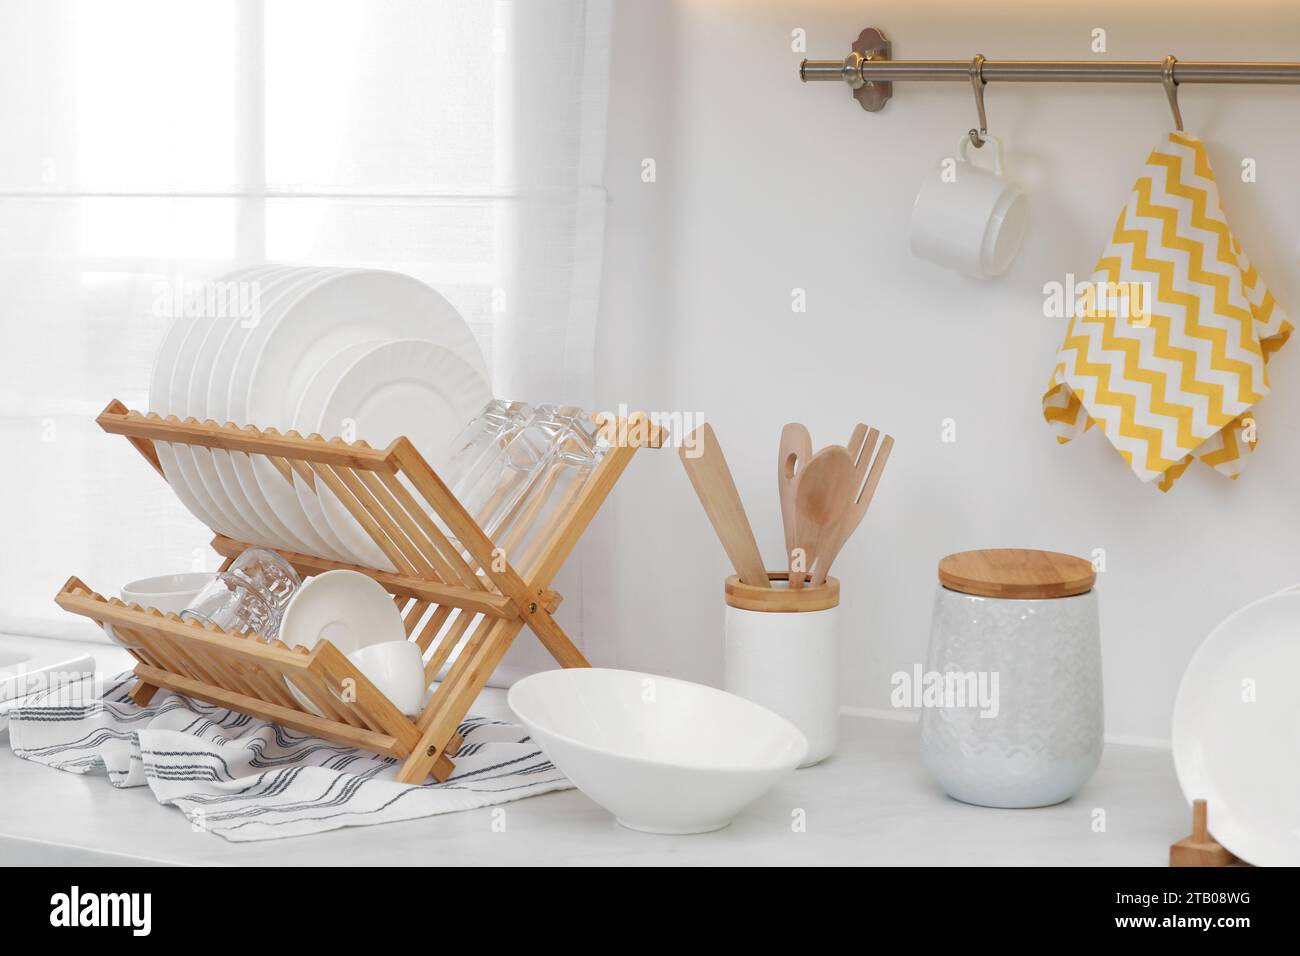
[448, 591]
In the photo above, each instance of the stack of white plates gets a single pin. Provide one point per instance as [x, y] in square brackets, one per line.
[361, 354]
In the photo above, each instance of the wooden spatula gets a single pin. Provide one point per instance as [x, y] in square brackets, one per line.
[711, 478]
[794, 451]
[865, 480]
[823, 492]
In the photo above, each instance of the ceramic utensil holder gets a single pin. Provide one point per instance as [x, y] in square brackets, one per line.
[1014, 710]
[781, 651]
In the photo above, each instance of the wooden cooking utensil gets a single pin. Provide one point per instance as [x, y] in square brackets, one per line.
[823, 493]
[863, 488]
[793, 454]
[714, 486]
[861, 443]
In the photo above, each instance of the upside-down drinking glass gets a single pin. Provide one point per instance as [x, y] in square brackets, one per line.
[249, 597]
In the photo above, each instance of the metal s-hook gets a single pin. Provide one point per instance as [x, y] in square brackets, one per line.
[1171, 89]
[978, 83]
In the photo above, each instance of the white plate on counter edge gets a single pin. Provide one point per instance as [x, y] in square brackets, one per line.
[1236, 731]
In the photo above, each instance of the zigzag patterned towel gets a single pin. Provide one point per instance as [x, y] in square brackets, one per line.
[1168, 348]
[248, 780]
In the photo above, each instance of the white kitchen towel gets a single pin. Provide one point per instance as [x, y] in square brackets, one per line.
[247, 780]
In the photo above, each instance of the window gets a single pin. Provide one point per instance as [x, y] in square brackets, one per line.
[165, 143]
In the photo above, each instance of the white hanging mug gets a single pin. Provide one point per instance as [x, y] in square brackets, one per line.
[969, 218]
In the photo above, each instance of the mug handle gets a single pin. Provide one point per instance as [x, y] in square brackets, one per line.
[963, 150]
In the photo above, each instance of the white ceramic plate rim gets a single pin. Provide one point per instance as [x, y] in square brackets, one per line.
[238, 473]
[160, 402]
[305, 419]
[195, 464]
[1249, 843]
[466, 348]
[772, 767]
[356, 541]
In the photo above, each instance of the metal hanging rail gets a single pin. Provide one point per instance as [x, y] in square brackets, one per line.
[870, 73]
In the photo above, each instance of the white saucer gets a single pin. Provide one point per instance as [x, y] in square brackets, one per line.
[346, 608]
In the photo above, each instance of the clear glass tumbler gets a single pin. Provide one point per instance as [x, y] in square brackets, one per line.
[571, 453]
[481, 440]
[249, 597]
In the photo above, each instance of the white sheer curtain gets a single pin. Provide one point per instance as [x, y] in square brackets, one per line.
[151, 143]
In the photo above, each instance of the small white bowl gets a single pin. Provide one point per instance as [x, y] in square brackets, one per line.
[169, 593]
[355, 614]
[663, 755]
[396, 668]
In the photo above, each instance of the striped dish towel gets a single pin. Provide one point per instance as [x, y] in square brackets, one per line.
[247, 780]
[1168, 348]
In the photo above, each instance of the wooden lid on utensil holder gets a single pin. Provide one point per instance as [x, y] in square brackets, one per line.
[782, 600]
[1017, 573]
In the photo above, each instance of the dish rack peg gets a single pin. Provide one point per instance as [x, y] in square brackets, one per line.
[1201, 849]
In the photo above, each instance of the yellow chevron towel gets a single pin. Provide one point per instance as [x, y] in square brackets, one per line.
[1168, 346]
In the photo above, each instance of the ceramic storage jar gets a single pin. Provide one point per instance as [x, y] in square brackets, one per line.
[1012, 703]
[782, 651]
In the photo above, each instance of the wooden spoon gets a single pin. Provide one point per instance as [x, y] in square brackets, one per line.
[823, 492]
[863, 488]
[792, 455]
[706, 466]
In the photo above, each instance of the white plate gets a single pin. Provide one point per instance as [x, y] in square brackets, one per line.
[408, 387]
[1236, 731]
[258, 478]
[280, 356]
[307, 417]
[240, 472]
[222, 468]
[274, 283]
[187, 399]
[160, 402]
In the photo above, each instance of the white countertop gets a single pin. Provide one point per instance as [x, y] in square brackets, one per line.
[871, 803]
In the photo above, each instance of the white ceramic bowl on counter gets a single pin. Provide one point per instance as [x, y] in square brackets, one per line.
[663, 755]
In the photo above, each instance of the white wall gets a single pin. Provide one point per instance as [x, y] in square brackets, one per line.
[765, 184]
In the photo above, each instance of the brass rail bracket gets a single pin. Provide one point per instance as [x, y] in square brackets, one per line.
[872, 95]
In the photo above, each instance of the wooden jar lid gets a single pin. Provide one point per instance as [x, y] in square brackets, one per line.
[782, 600]
[1016, 573]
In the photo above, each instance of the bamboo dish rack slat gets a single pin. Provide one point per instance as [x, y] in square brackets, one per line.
[453, 585]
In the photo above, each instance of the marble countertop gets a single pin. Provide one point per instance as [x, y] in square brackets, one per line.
[871, 803]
